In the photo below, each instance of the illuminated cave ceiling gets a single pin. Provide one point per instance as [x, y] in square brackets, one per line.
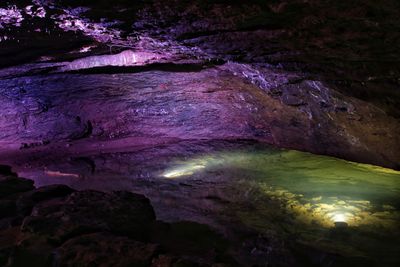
[319, 76]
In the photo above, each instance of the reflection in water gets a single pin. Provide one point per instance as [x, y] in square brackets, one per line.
[331, 205]
[339, 216]
[315, 189]
[183, 171]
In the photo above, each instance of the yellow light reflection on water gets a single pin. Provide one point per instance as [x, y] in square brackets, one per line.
[339, 217]
[182, 171]
[315, 189]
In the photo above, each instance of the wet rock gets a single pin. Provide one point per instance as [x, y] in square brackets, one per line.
[63, 217]
[58, 226]
[311, 256]
[292, 100]
[7, 208]
[8, 239]
[10, 185]
[86, 131]
[341, 224]
[185, 263]
[192, 240]
[163, 261]
[90, 211]
[102, 249]
[6, 170]
[28, 200]
[36, 144]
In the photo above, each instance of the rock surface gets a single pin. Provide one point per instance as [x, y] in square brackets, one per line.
[91, 228]
[318, 76]
[205, 104]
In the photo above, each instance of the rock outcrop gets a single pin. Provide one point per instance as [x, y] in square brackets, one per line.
[58, 226]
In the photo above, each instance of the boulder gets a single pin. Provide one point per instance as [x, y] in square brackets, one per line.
[10, 185]
[91, 211]
[28, 200]
[102, 250]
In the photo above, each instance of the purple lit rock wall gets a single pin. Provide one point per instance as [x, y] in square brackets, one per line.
[203, 104]
[294, 74]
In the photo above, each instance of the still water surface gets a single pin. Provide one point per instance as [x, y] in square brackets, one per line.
[343, 207]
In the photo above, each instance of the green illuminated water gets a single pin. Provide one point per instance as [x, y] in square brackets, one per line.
[304, 175]
[299, 194]
[326, 204]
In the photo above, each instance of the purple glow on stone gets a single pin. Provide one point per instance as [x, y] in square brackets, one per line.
[125, 58]
[72, 20]
[38, 12]
[10, 16]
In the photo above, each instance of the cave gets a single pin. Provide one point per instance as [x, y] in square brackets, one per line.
[203, 133]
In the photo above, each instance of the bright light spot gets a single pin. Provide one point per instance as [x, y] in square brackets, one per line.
[86, 49]
[183, 171]
[339, 217]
